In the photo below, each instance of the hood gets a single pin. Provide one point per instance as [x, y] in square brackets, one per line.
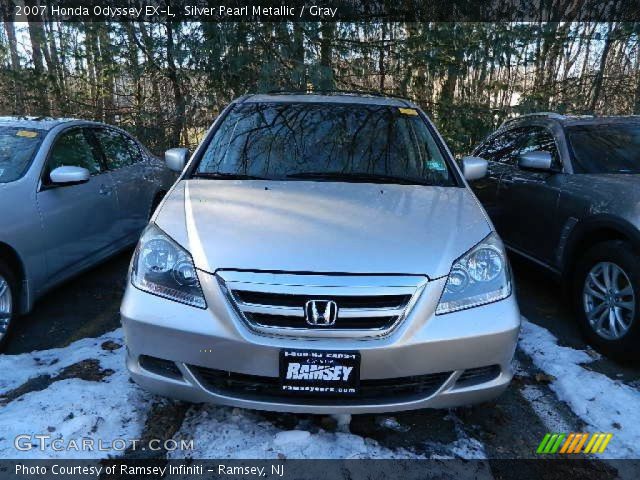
[301, 226]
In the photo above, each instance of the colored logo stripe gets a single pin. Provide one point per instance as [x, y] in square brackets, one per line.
[573, 443]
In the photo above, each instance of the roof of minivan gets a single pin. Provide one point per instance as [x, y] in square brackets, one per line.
[363, 99]
[37, 123]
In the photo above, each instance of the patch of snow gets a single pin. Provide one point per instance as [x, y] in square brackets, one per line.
[468, 448]
[392, 424]
[291, 436]
[74, 409]
[597, 399]
[222, 432]
[544, 408]
[17, 369]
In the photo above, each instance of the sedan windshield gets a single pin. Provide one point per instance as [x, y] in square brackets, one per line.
[325, 142]
[606, 148]
[17, 148]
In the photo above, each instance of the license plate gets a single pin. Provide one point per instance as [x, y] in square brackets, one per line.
[313, 372]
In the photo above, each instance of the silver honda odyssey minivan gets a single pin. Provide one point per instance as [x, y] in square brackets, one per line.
[321, 253]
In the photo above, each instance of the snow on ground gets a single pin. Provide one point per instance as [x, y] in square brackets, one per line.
[221, 432]
[17, 369]
[115, 408]
[545, 409]
[73, 408]
[599, 401]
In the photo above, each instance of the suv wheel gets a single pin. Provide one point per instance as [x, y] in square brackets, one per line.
[7, 302]
[606, 293]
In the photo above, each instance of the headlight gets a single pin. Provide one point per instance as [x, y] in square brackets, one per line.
[480, 276]
[162, 267]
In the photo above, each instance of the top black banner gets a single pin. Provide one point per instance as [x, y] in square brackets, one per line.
[325, 11]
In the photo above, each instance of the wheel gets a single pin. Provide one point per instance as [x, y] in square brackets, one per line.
[606, 292]
[8, 290]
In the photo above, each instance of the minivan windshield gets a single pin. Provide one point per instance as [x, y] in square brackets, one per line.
[606, 148]
[17, 148]
[325, 142]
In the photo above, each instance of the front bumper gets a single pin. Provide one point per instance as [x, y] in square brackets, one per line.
[422, 344]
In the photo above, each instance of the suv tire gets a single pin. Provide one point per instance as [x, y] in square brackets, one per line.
[606, 283]
[8, 301]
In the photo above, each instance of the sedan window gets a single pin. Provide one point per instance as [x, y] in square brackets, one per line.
[73, 149]
[18, 146]
[115, 148]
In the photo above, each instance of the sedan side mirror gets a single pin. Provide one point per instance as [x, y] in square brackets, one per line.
[69, 175]
[176, 158]
[474, 168]
[536, 160]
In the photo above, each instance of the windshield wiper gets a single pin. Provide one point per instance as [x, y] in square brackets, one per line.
[359, 177]
[226, 176]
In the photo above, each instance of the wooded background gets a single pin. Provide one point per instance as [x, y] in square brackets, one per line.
[166, 82]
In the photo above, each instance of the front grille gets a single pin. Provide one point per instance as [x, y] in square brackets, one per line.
[284, 321]
[253, 387]
[274, 303]
[288, 300]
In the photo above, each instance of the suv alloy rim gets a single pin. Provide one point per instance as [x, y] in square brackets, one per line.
[609, 300]
[5, 306]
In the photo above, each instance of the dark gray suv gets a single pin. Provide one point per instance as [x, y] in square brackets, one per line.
[564, 191]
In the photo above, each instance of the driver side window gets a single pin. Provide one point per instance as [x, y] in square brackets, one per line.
[539, 139]
[502, 147]
[72, 148]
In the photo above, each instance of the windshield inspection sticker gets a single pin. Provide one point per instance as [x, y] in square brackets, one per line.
[26, 133]
[408, 111]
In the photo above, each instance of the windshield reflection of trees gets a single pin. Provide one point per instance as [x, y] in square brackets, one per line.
[274, 141]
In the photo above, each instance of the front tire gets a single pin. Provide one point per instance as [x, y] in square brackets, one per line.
[8, 302]
[606, 290]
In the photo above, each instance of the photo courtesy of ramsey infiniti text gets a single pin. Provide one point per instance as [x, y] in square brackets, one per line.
[321, 253]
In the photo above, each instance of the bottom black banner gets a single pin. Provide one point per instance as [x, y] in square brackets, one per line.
[365, 469]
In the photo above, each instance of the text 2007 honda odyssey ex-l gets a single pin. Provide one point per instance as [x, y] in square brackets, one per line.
[323, 254]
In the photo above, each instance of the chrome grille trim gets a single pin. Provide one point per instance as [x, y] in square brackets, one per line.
[358, 289]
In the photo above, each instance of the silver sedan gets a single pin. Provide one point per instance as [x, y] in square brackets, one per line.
[72, 193]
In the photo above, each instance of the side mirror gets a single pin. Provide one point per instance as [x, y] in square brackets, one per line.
[69, 175]
[536, 160]
[176, 159]
[474, 168]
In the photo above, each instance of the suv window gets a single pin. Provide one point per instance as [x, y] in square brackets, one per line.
[502, 147]
[332, 142]
[116, 148]
[540, 139]
[73, 149]
[606, 148]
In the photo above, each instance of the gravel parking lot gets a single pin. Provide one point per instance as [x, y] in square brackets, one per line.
[66, 359]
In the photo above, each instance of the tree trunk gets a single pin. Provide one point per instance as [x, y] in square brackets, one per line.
[381, 58]
[599, 78]
[107, 80]
[178, 97]
[18, 105]
[299, 74]
[327, 30]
